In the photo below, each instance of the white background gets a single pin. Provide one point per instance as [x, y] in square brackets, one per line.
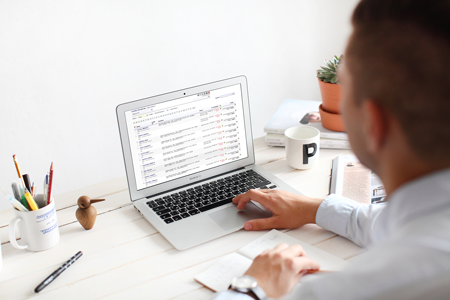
[66, 65]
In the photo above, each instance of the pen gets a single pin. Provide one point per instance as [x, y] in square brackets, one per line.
[33, 190]
[50, 182]
[31, 203]
[13, 201]
[18, 169]
[58, 272]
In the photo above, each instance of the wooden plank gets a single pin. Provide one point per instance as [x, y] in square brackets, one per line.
[200, 293]
[341, 247]
[67, 215]
[259, 144]
[269, 155]
[70, 199]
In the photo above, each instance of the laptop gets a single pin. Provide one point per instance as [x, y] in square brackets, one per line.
[187, 154]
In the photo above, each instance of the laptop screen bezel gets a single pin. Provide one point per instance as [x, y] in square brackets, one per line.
[136, 194]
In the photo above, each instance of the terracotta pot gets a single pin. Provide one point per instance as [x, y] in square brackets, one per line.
[331, 96]
[331, 121]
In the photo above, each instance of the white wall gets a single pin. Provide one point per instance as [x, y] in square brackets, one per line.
[66, 65]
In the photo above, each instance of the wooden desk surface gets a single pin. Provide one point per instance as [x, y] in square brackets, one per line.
[124, 256]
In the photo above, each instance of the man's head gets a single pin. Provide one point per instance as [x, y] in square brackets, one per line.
[396, 71]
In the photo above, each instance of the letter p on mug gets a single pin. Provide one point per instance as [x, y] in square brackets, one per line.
[302, 146]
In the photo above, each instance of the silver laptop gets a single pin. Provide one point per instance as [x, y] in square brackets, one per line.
[187, 154]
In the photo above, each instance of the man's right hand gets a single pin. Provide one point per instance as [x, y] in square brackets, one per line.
[288, 210]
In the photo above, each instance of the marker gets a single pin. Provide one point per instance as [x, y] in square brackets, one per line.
[31, 203]
[50, 182]
[15, 190]
[18, 169]
[13, 201]
[27, 180]
[22, 197]
[58, 272]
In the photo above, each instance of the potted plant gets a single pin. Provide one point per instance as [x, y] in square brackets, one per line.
[331, 94]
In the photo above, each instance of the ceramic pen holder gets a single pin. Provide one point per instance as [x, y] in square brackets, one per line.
[38, 228]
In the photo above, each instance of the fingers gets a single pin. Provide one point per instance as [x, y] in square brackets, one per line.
[261, 224]
[302, 263]
[255, 195]
[294, 250]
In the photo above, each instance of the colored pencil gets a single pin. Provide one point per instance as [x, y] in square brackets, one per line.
[50, 183]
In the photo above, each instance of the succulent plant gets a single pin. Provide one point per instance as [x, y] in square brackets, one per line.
[329, 72]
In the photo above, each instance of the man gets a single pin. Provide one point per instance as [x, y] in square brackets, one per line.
[396, 108]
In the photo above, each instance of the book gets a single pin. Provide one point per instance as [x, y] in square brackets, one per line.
[351, 179]
[273, 139]
[218, 277]
[295, 113]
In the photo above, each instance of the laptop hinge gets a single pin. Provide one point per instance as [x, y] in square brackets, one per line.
[186, 185]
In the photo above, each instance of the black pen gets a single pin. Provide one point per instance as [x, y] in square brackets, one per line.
[58, 272]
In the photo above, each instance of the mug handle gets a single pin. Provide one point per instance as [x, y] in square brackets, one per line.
[12, 234]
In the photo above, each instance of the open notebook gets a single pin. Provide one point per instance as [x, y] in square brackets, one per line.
[218, 277]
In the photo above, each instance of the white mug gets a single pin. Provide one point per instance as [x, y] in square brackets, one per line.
[302, 146]
[38, 228]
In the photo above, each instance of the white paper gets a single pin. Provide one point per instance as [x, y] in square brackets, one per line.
[273, 238]
[218, 277]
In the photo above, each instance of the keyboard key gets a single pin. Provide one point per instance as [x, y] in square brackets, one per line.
[163, 212]
[152, 204]
[214, 205]
[194, 212]
[272, 186]
[176, 218]
[262, 184]
[185, 215]
[160, 202]
[165, 216]
[175, 212]
[158, 208]
[182, 210]
[168, 220]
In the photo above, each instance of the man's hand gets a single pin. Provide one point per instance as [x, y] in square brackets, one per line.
[288, 210]
[277, 271]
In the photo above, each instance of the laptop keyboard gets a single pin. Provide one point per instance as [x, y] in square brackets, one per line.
[192, 201]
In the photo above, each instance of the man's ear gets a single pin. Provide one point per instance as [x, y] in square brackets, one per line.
[377, 125]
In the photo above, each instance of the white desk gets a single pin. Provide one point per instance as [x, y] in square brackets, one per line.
[126, 258]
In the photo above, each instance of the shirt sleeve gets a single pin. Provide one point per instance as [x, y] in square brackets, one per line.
[349, 218]
[230, 295]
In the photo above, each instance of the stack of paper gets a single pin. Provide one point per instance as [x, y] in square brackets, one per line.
[302, 113]
[218, 277]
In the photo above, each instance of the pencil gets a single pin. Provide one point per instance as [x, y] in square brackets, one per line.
[18, 170]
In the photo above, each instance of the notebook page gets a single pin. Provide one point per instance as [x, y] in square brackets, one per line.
[273, 238]
[218, 276]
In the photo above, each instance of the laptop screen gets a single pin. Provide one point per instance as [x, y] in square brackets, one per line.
[177, 138]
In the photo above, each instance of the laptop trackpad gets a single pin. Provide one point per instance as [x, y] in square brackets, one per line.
[231, 217]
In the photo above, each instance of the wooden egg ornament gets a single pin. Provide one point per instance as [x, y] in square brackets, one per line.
[86, 213]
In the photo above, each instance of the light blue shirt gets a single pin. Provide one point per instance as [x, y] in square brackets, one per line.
[408, 242]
